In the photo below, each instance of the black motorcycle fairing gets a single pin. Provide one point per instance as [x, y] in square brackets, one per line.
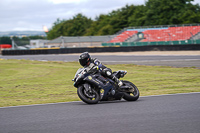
[102, 84]
[97, 80]
[78, 80]
[79, 76]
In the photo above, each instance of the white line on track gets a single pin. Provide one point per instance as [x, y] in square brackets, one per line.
[81, 101]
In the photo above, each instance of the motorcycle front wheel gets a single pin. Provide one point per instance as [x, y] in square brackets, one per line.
[133, 95]
[88, 97]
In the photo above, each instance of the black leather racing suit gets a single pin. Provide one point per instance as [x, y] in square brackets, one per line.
[104, 71]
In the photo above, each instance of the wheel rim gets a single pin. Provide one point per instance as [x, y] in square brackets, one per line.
[89, 95]
[134, 92]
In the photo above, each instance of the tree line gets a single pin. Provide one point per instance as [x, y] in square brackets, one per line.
[154, 12]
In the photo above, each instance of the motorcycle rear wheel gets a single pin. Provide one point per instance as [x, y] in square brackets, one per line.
[87, 97]
[131, 96]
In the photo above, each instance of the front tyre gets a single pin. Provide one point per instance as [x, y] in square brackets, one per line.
[134, 93]
[88, 97]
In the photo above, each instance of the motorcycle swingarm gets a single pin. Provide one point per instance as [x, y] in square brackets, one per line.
[126, 88]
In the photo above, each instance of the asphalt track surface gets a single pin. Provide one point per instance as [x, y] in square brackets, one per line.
[178, 113]
[153, 60]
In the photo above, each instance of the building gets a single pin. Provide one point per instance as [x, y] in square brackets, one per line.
[82, 41]
[39, 43]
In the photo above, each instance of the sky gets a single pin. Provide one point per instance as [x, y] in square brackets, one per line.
[21, 15]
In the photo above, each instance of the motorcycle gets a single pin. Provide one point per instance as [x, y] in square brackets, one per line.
[92, 87]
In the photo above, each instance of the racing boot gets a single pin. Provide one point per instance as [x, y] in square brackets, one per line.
[110, 75]
[119, 83]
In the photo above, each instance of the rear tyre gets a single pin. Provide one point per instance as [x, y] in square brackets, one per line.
[88, 97]
[133, 95]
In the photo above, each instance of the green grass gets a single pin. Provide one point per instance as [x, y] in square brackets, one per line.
[25, 82]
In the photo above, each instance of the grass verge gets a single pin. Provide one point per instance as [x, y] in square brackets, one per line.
[25, 82]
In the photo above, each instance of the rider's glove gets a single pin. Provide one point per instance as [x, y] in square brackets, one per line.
[94, 69]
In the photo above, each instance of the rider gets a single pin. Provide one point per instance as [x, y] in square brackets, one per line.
[87, 62]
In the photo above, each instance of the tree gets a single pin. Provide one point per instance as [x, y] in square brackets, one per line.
[191, 14]
[77, 26]
[165, 12]
[138, 17]
[100, 26]
[5, 40]
[154, 12]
